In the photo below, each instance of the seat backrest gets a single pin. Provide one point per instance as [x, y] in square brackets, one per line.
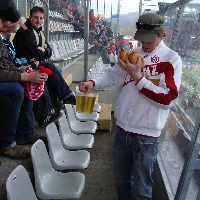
[53, 137]
[70, 45]
[55, 50]
[62, 43]
[70, 113]
[60, 49]
[19, 186]
[41, 162]
[63, 125]
[67, 47]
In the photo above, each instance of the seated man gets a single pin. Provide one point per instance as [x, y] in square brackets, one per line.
[31, 43]
[105, 53]
[42, 108]
[93, 41]
[19, 127]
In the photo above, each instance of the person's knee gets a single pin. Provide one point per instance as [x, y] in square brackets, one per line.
[52, 67]
[59, 69]
[6, 102]
[14, 91]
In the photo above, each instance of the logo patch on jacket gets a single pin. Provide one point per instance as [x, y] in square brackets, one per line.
[155, 59]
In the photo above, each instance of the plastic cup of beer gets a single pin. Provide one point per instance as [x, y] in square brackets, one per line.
[80, 99]
[89, 103]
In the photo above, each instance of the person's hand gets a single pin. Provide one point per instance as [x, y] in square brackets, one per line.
[133, 70]
[34, 77]
[33, 60]
[6, 27]
[37, 63]
[25, 67]
[42, 49]
[86, 87]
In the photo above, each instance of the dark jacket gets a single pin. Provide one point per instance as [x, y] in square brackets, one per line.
[105, 55]
[8, 71]
[26, 45]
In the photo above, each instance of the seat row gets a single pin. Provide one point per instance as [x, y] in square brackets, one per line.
[55, 14]
[66, 51]
[67, 151]
[61, 26]
[97, 68]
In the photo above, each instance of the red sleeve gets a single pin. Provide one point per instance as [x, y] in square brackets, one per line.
[160, 97]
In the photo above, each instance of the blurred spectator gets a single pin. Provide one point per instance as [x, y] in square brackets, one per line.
[105, 51]
[78, 27]
[123, 43]
[109, 32]
[59, 7]
[92, 19]
[93, 41]
[80, 10]
[66, 13]
[112, 52]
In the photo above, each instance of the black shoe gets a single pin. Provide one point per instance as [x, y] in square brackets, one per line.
[49, 119]
[32, 140]
[70, 100]
[57, 109]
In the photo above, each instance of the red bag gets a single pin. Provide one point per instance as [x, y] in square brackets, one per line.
[33, 91]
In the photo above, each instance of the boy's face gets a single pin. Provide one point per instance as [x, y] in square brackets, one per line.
[148, 47]
[37, 19]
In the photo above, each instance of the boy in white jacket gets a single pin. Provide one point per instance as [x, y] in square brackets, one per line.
[142, 107]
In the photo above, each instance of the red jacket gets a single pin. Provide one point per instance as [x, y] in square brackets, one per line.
[112, 49]
[121, 42]
[92, 19]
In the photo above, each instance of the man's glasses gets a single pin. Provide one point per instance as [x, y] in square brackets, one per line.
[147, 27]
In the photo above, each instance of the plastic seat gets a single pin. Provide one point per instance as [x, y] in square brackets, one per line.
[51, 184]
[97, 108]
[19, 186]
[77, 126]
[72, 141]
[86, 117]
[62, 159]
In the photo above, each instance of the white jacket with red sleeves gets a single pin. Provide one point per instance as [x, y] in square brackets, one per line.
[143, 107]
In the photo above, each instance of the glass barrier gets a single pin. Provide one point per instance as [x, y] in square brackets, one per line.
[170, 19]
[179, 130]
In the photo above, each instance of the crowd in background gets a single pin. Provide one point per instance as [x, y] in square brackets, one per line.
[106, 43]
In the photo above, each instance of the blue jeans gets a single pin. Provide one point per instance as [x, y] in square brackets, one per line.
[59, 69]
[57, 87]
[134, 156]
[20, 123]
[42, 107]
[5, 110]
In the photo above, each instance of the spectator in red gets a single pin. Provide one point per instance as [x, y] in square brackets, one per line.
[124, 43]
[112, 46]
[92, 20]
[112, 51]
